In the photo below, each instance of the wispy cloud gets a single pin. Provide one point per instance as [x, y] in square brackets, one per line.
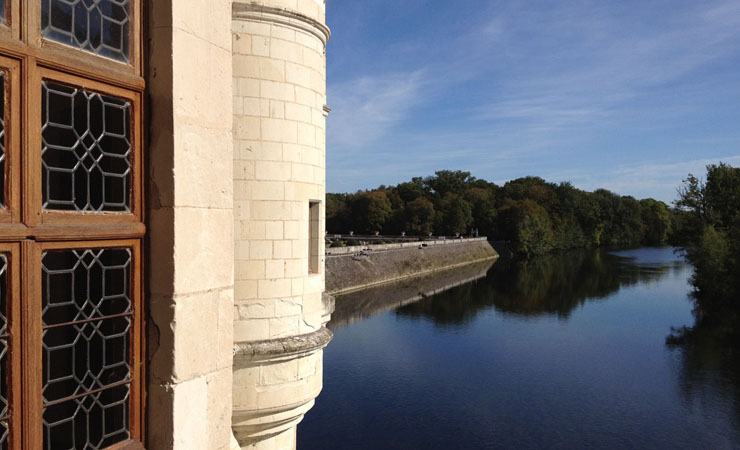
[365, 109]
[657, 180]
[553, 88]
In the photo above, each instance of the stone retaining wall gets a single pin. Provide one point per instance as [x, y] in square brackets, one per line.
[361, 267]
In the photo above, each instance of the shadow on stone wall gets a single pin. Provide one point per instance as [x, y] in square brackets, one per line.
[362, 304]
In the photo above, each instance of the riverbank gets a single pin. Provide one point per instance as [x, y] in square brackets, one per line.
[353, 268]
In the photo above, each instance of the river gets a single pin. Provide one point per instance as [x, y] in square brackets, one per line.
[560, 352]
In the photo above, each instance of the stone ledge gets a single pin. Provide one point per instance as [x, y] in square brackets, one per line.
[291, 346]
[262, 13]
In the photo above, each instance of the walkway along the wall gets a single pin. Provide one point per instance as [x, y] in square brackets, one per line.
[352, 268]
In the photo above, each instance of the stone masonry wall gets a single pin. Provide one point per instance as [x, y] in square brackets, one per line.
[190, 218]
[279, 97]
[349, 272]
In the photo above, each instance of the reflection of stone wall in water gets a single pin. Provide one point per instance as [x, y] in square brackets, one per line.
[351, 272]
[364, 303]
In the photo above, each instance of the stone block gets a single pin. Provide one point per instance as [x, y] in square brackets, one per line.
[261, 45]
[282, 249]
[274, 269]
[285, 326]
[302, 173]
[250, 269]
[247, 127]
[260, 250]
[241, 44]
[292, 229]
[251, 330]
[279, 130]
[191, 421]
[297, 285]
[248, 87]
[274, 230]
[243, 170]
[298, 74]
[276, 90]
[267, 289]
[278, 373]
[249, 27]
[288, 307]
[286, 51]
[277, 109]
[269, 210]
[275, 171]
[255, 230]
[268, 190]
[218, 409]
[295, 268]
[204, 249]
[255, 309]
[246, 66]
[245, 289]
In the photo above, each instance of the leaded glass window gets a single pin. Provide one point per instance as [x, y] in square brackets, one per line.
[86, 150]
[101, 27]
[71, 225]
[87, 313]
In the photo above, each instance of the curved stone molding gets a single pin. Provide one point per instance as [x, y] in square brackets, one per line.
[281, 348]
[262, 13]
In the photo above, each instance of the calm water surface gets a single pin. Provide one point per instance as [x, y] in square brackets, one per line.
[562, 352]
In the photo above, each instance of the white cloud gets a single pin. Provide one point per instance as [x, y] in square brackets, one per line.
[366, 109]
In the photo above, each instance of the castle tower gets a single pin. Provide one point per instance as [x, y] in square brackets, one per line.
[279, 190]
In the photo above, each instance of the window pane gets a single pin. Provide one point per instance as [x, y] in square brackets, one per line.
[3, 20]
[4, 341]
[86, 317]
[86, 150]
[97, 26]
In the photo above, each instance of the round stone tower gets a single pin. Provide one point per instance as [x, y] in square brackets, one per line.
[280, 112]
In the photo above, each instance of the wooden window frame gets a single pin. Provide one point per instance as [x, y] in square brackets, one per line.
[26, 230]
[13, 362]
[11, 212]
[81, 224]
[32, 338]
[33, 21]
[11, 29]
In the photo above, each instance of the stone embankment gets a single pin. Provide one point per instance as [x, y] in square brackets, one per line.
[359, 305]
[353, 268]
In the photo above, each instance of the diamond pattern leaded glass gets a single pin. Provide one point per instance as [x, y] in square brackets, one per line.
[4, 341]
[86, 317]
[101, 27]
[86, 150]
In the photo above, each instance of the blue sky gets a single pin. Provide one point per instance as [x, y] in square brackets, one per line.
[626, 95]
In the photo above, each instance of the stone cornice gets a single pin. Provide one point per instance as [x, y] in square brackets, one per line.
[262, 13]
[287, 347]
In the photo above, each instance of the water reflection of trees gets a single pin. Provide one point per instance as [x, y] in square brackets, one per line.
[710, 357]
[548, 285]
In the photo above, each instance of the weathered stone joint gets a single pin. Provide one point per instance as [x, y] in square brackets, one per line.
[262, 13]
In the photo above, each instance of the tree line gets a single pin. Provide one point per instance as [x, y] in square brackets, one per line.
[707, 228]
[536, 216]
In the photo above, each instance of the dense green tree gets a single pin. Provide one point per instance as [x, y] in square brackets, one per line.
[420, 217]
[371, 210]
[708, 227]
[454, 214]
